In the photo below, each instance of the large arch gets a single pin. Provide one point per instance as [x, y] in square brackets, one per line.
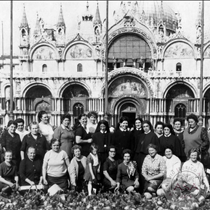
[67, 84]
[172, 84]
[179, 40]
[43, 44]
[132, 72]
[34, 84]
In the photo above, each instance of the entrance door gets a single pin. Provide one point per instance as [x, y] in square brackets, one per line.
[129, 110]
[131, 116]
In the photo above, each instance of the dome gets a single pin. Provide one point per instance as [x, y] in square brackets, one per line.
[152, 10]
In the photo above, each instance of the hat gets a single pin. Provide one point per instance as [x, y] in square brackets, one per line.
[192, 116]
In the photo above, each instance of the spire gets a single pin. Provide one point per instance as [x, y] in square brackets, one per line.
[60, 18]
[37, 29]
[198, 20]
[97, 20]
[24, 22]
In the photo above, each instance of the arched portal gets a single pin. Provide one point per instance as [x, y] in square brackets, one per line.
[38, 98]
[207, 102]
[75, 99]
[178, 101]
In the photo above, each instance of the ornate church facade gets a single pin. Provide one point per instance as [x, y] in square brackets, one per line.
[153, 69]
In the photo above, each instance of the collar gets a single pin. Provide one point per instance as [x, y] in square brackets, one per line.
[122, 130]
[168, 135]
[103, 131]
[147, 132]
[192, 129]
[62, 126]
[138, 129]
[158, 135]
[179, 131]
[155, 158]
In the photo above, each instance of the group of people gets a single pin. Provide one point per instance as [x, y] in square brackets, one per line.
[91, 155]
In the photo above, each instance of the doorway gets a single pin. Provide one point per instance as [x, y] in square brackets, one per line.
[129, 110]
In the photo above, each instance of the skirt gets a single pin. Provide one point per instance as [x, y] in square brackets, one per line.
[62, 181]
[88, 176]
[152, 185]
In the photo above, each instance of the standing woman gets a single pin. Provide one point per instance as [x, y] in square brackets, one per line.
[102, 138]
[179, 130]
[36, 140]
[159, 128]
[65, 134]
[122, 138]
[82, 135]
[92, 122]
[44, 126]
[55, 166]
[137, 133]
[10, 140]
[169, 140]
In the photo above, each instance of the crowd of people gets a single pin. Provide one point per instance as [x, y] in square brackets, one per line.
[93, 155]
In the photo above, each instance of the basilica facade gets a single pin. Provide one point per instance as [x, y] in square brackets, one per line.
[153, 69]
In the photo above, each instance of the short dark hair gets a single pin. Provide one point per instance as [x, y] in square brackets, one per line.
[193, 116]
[139, 118]
[178, 120]
[93, 146]
[126, 151]
[68, 116]
[148, 123]
[168, 125]
[40, 114]
[124, 118]
[54, 140]
[159, 123]
[92, 113]
[112, 147]
[19, 120]
[81, 115]
[11, 122]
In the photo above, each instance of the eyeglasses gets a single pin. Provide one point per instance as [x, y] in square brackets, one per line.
[112, 151]
[144, 126]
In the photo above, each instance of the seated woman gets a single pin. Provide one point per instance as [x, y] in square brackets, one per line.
[8, 173]
[110, 170]
[55, 166]
[77, 169]
[173, 167]
[193, 174]
[30, 169]
[153, 170]
[127, 174]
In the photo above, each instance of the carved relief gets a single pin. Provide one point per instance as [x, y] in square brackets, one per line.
[79, 51]
[178, 50]
[44, 53]
[127, 85]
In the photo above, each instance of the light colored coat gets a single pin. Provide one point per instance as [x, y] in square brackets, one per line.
[74, 169]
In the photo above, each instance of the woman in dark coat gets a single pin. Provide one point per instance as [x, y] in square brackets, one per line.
[82, 135]
[102, 138]
[137, 133]
[122, 138]
[169, 140]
